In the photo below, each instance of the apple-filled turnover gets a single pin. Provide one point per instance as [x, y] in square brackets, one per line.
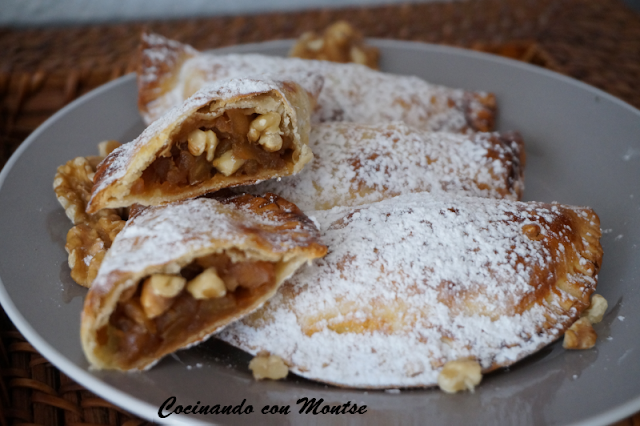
[232, 132]
[419, 282]
[177, 273]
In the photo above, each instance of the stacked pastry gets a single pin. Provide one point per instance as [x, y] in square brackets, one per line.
[434, 271]
[183, 267]
[170, 72]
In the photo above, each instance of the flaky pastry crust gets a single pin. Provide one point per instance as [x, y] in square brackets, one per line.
[414, 282]
[166, 240]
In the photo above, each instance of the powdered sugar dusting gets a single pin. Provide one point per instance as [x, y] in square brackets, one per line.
[413, 282]
[356, 164]
[160, 51]
[351, 92]
[159, 235]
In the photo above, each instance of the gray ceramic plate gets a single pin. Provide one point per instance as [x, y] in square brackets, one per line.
[583, 148]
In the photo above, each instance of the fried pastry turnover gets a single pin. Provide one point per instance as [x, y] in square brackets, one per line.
[169, 72]
[179, 272]
[357, 164]
[232, 132]
[417, 281]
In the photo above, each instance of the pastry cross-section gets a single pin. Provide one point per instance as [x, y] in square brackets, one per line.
[232, 132]
[177, 273]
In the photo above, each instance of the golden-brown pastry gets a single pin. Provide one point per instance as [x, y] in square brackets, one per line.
[414, 282]
[179, 272]
[232, 132]
[358, 164]
[169, 72]
[339, 42]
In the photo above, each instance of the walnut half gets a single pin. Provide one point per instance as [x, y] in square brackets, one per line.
[92, 235]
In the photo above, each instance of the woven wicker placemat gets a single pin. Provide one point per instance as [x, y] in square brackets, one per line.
[41, 70]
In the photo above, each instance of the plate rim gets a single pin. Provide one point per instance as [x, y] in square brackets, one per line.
[143, 409]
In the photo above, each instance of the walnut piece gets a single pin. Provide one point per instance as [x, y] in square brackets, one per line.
[267, 366]
[87, 243]
[157, 290]
[580, 335]
[200, 141]
[207, 285]
[227, 163]
[265, 129]
[596, 311]
[339, 43]
[460, 375]
[86, 251]
[72, 185]
[157, 293]
[92, 235]
[196, 142]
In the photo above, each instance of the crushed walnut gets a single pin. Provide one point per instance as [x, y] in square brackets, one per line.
[154, 313]
[267, 366]
[340, 42]
[239, 141]
[92, 235]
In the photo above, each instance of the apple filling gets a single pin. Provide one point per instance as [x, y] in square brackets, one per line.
[240, 142]
[153, 317]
